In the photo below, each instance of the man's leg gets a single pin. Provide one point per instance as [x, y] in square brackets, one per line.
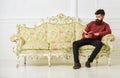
[76, 46]
[98, 45]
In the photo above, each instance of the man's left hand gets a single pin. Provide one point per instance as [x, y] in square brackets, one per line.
[96, 34]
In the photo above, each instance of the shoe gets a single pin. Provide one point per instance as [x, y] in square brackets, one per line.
[87, 64]
[77, 66]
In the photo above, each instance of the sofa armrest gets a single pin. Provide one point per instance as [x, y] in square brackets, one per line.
[19, 42]
[108, 40]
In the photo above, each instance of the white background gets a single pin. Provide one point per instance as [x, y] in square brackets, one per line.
[14, 12]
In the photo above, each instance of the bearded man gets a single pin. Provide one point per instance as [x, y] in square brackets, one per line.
[92, 35]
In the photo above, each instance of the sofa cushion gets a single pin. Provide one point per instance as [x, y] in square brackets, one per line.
[34, 51]
[35, 45]
[58, 46]
[90, 47]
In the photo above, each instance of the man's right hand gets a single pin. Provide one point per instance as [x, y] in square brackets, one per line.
[88, 36]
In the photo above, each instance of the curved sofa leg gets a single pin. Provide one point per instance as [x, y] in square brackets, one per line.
[109, 60]
[18, 61]
[97, 60]
[24, 60]
[49, 60]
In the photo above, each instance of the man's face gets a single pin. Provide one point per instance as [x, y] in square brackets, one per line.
[99, 17]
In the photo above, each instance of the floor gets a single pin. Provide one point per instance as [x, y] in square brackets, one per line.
[8, 70]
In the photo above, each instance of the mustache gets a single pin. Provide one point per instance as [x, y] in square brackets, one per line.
[98, 22]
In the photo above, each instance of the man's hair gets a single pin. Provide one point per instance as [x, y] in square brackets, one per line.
[100, 11]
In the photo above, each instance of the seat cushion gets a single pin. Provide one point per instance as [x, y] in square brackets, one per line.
[34, 51]
[90, 47]
[58, 46]
[35, 45]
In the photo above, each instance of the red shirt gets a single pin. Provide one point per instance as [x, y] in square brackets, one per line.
[102, 29]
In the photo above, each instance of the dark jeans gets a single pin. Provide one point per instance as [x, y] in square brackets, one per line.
[77, 44]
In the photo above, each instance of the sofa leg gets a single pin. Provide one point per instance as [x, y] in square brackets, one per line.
[109, 61]
[24, 60]
[49, 60]
[18, 61]
[96, 62]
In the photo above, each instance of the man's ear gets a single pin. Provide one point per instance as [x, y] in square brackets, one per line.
[103, 16]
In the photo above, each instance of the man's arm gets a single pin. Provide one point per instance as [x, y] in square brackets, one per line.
[107, 31]
[86, 33]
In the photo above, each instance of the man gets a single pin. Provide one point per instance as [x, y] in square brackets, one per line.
[92, 35]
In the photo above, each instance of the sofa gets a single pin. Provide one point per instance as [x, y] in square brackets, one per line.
[54, 38]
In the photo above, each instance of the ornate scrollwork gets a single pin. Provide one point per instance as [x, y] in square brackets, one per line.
[61, 19]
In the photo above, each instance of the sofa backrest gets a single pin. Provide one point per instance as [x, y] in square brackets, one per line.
[56, 29]
[60, 32]
[63, 28]
[79, 30]
[37, 33]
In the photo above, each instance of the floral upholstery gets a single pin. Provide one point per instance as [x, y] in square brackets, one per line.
[60, 36]
[53, 36]
[33, 34]
[37, 45]
[78, 30]
[60, 46]
[60, 33]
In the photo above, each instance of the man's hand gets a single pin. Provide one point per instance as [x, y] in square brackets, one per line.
[91, 32]
[88, 36]
[85, 32]
[96, 34]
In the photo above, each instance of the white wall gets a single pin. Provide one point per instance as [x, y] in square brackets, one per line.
[34, 8]
[14, 12]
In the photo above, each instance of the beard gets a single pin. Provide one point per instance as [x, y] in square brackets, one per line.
[98, 22]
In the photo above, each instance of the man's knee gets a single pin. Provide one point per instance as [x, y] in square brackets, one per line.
[99, 43]
[75, 43]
